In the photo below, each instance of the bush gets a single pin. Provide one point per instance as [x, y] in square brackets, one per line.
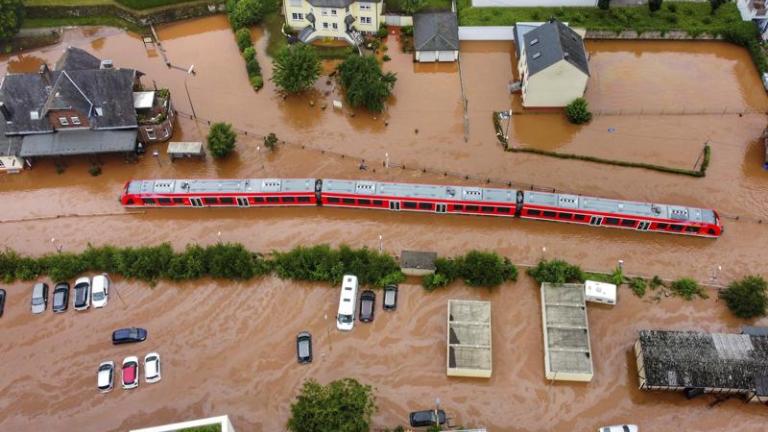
[257, 82]
[654, 5]
[746, 298]
[431, 282]
[407, 30]
[270, 141]
[221, 140]
[604, 4]
[11, 17]
[672, 7]
[556, 271]
[656, 282]
[249, 53]
[296, 68]
[382, 31]
[243, 37]
[476, 268]
[386, 58]
[94, 170]
[578, 111]
[638, 286]
[687, 288]
[247, 13]
[364, 82]
[252, 67]
[343, 405]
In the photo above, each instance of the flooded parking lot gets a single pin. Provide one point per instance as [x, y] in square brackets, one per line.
[203, 325]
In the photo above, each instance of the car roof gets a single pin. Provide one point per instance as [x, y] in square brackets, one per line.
[150, 368]
[99, 282]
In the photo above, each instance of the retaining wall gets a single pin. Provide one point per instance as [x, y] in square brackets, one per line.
[507, 33]
[141, 18]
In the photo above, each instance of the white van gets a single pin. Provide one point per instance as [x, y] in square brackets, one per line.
[600, 292]
[345, 320]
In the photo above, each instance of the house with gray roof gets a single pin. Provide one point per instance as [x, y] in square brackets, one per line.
[82, 106]
[553, 65]
[436, 37]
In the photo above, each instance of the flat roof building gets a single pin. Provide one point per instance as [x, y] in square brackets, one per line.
[567, 351]
[697, 363]
[469, 339]
[417, 263]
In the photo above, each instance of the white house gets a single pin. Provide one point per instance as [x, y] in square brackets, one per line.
[553, 66]
[436, 37]
[333, 19]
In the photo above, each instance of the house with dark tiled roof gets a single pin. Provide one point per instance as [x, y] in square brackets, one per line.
[436, 37]
[83, 106]
[553, 65]
[333, 19]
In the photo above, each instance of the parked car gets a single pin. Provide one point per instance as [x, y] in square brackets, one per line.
[619, 428]
[304, 347]
[367, 303]
[152, 368]
[131, 372]
[2, 301]
[128, 335]
[100, 290]
[60, 297]
[82, 294]
[106, 376]
[427, 418]
[39, 297]
[390, 297]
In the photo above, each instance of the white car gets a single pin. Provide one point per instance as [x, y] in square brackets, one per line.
[100, 291]
[619, 428]
[106, 376]
[131, 372]
[152, 368]
[81, 298]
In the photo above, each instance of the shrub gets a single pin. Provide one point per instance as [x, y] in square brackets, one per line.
[656, 282]
[556, 271]
[243, 37]
[296, 68]
[687, 288]
[247, 13]
[715, 5]
[386, 58]
[221, 140]
[431, 282]
[343, 405]
[11, 17]
[382, 31]
[604, 4]
[270, 141]
[94, 170]
[249, 53]
[63, 266]
[672, 7]
[486, 269]
[407, 30]
[638, 286]
[654, 5]
[746, 298]
[578, 111]
[364, 82]
[257, 82]
[252, 67]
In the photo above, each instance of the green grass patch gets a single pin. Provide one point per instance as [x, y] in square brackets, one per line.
[110, 21]
[273, 23]
[66, 2]
[428, 5]
[149, 4]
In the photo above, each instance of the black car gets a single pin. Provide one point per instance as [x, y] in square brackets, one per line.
[128, 335]
[60, 297]
[367, 303]
[427, 418]
[82, 295]
[390, 297]
[304, 347]
[2, 301]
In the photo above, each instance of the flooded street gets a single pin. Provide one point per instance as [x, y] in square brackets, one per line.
[238, 332]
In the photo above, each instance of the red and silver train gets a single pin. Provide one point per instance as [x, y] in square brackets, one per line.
[576, 209]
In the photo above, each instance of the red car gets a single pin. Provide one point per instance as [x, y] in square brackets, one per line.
[131, 372]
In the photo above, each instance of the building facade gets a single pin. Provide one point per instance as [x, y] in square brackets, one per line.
[333, 19]
[436, 37]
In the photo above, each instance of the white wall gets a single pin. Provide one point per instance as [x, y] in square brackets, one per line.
[223, 421]
[487, 33]
[531, 3]
[555, 86]
[398, 20]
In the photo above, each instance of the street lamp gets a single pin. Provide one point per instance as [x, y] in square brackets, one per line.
[156, 155]
[381, 243]
[58, 247]
[621, 264]
[190, 71]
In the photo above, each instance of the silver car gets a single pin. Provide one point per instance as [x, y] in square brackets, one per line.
[39, 298]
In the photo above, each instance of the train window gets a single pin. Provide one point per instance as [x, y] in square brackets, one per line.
[425, 206]
[502, 209]
[273, 199]
[533, 212]
[628, 222]
[692, 229]
[472, 208]
[662, 226]
[458, 207]
[333, 200]
[364, 202]
[611, 221]
[227, 200]
[178, 200]
[549, 213]
[580, 217]
[148, 201]
[163, 200]
[289, 199]
[565, 215]
[486, 209]
[303, 199]
[676, 227]
[348, 200]
[210, 200]
[258, 199]
[378, 202]
[409, 205]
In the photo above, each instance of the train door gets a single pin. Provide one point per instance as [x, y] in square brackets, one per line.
[440, 208]
[596, 220]
[643, 226]
[196, 202]
[394, 205]
[242, 202]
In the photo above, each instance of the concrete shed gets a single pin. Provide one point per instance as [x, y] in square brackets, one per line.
[469, 339]
[417, 263]
[567, 350]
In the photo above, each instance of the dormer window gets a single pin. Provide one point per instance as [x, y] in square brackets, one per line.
[534, 42]
[536, 55]
[34, 115]
[75, 120]
[99, 111]
[63, 121]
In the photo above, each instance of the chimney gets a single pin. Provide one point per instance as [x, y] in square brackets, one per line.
[45, 74]
[5, 111]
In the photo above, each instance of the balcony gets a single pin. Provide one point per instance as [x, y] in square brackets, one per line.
[154, 115]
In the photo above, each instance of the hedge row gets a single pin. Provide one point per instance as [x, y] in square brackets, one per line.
[476, 268]
[244, 42]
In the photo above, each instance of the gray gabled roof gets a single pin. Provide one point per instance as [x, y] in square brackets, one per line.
[552, 42]
[77, 59]
[435, 31]
[78, 142]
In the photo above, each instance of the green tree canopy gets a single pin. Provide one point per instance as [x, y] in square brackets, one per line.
[296, 67]
[11, 16]
[746, 298]
[221, 140]
[247, 12]
[341, 406]
[364, 82]
[578, 111]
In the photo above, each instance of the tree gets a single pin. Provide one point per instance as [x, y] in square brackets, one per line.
[243, 37]
[746, 298]
[364, 82]
[270, 141]
[221, 140]
[412, 6]
[578, 111]
[11, 16]
[604, 4]
[486, 269]
[296, 68]
[247, 12]
[343, 405]
[687, 288]
[556, 271]
[654, 5]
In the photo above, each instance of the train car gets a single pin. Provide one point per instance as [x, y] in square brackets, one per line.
[632, 215]
[419, 198]
[220, 193]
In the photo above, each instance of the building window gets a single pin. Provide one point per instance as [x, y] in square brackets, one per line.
[333, 12]
[335, 26]
[63, 121]
[325, 12]
[365, 7]
[75, 121]
[325, 26]
[365, 20]
[297, 16]
[150, 133]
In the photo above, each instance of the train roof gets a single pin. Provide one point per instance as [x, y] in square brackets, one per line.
[629, 208]
[409, 190]
[186, 186]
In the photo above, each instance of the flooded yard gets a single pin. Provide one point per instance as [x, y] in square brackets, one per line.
[239, 332]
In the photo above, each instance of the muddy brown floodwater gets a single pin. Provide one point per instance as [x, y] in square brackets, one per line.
[228, 348]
